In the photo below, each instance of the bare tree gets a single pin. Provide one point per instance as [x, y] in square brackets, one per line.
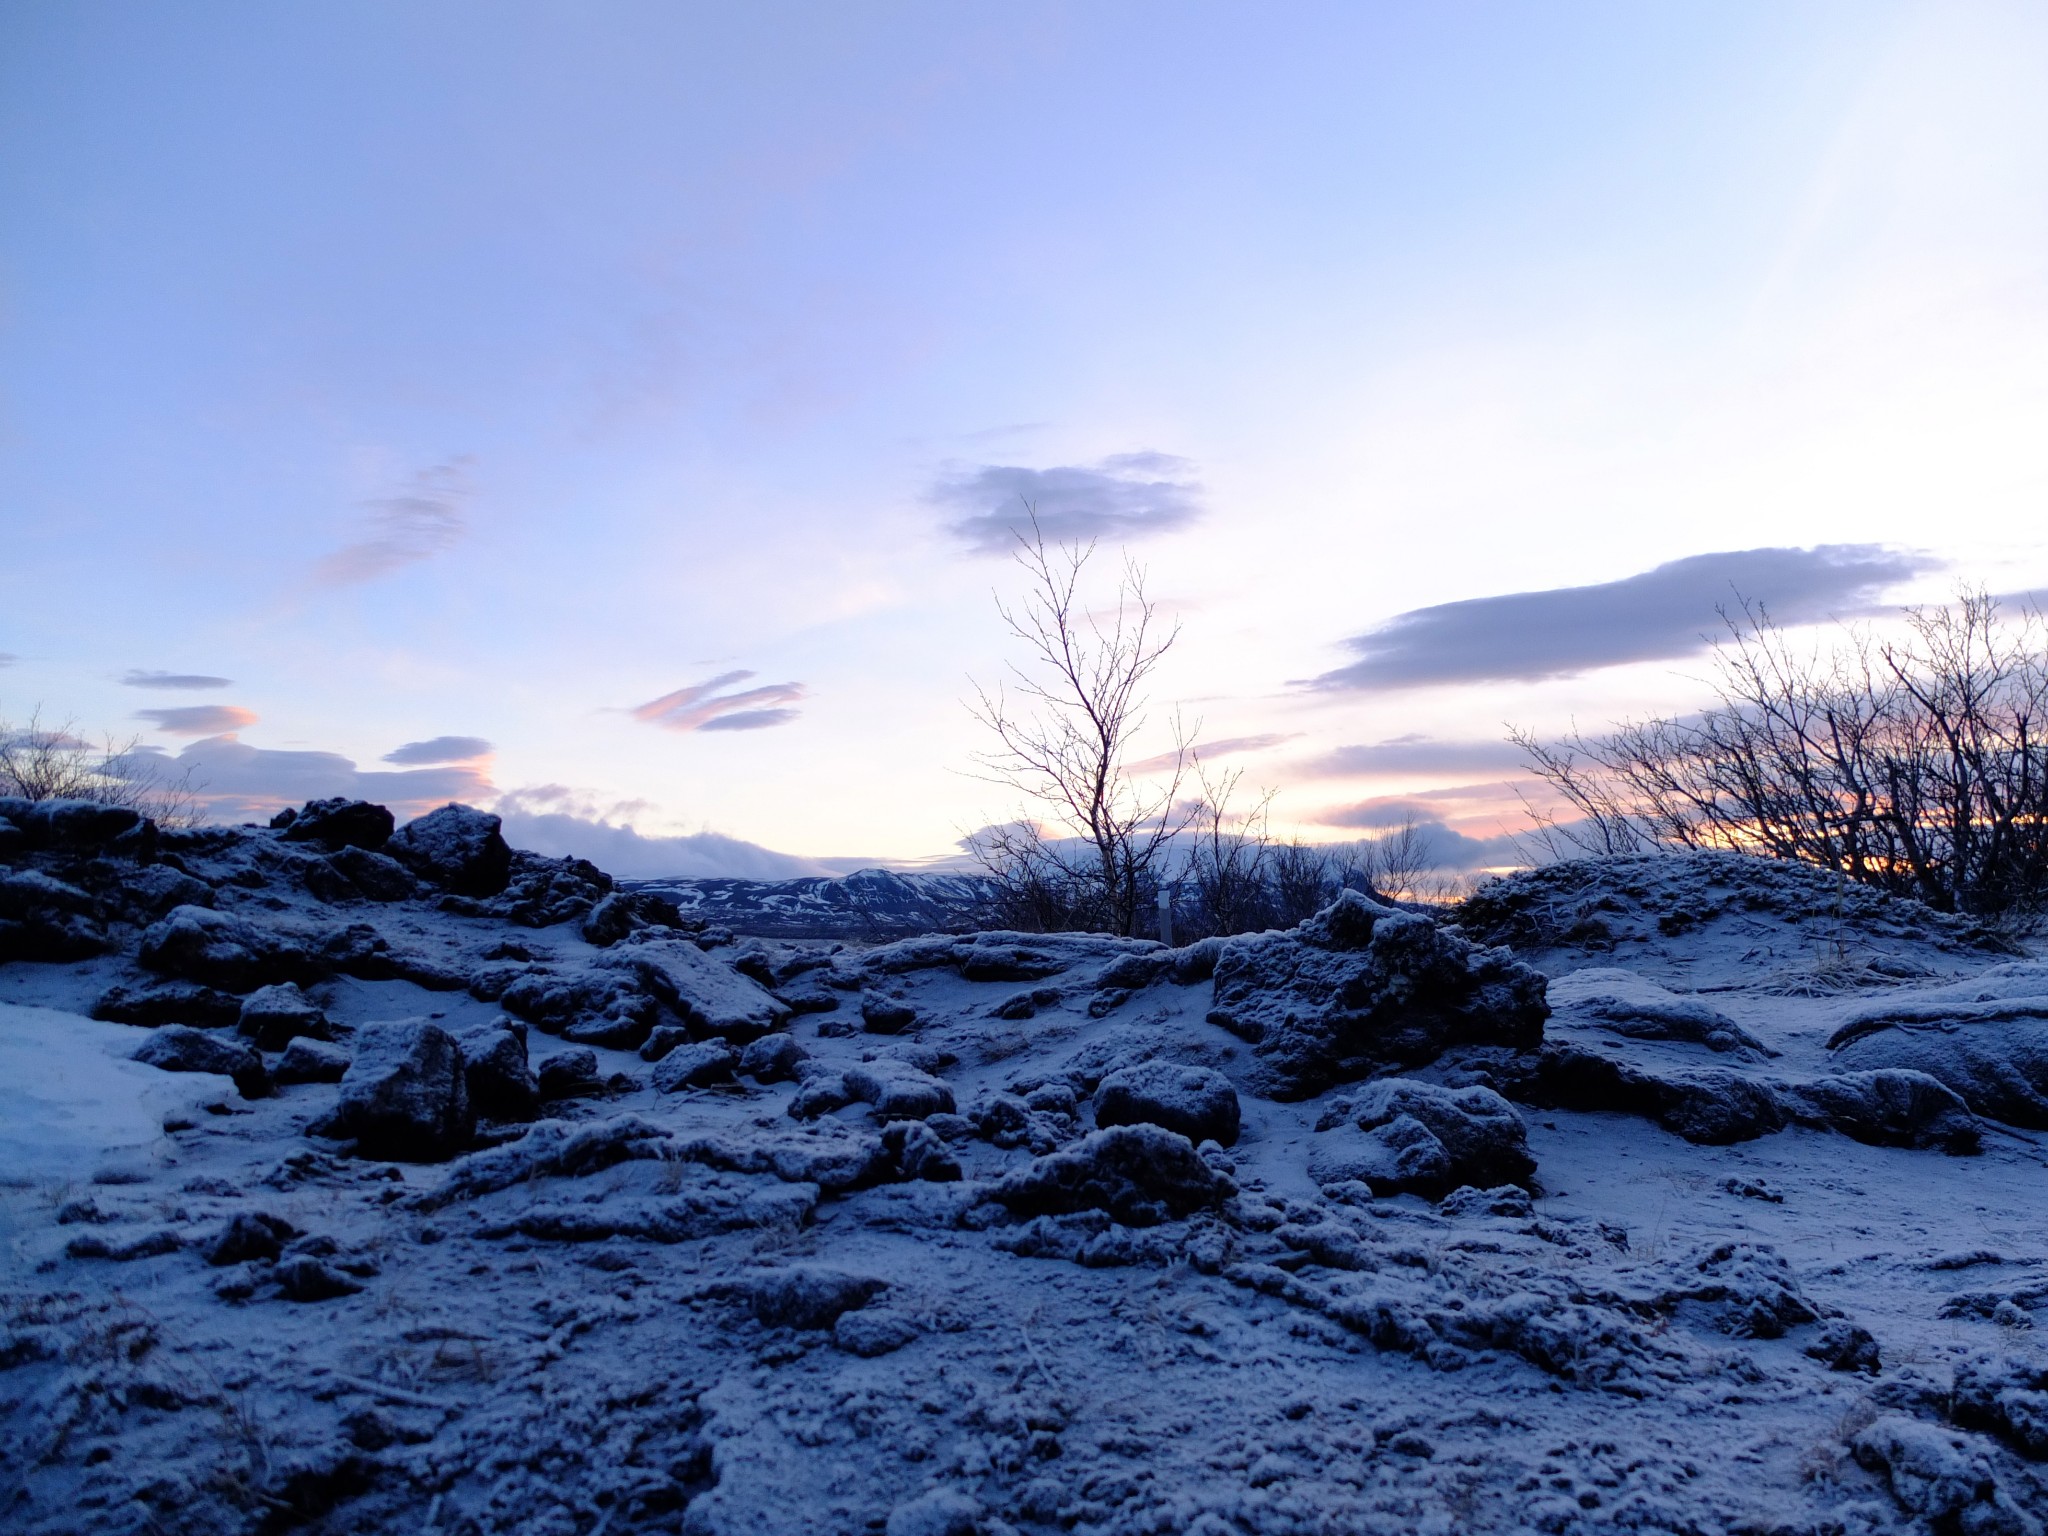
[1918, 766]
[1063, 739]
[39, 762]
[1228, 857]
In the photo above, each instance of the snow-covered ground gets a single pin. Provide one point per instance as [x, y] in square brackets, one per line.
[905, 1238]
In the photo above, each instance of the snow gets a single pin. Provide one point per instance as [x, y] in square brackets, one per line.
[698, 1312]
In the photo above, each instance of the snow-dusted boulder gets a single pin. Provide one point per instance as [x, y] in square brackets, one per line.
[458, 848]
[1999, 1067]
[697, 1065]
[168, 1002]
[1637, 1008]
[405, 1097]
[810, 1295]
[175, 1048]
[336, 823]
[377, 875]
[772, 1059]
[1198, 1103]
[496, 1072]
[272, 1017]
[310, 1061]
[46, 919]
[898, 1090]
[706, 993]
[1408, 1138]
[1140, 1175]
[1361, 987]
[219, 949]
[2005, 1397]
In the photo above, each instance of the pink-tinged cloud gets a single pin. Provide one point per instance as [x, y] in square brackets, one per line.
[1210, 751]
[441, 749]
[702, 707]
[233, 781]
[422, 522]
[199, 719]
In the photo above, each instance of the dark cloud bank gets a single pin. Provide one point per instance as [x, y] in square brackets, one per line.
[1666, 612]
[1125, 496]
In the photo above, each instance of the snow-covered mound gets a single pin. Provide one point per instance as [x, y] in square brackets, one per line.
[867, 906]
[440, 1187]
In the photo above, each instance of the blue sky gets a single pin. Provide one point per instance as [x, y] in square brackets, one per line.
[630, 394]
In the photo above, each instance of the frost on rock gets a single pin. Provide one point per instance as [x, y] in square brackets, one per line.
[1198, 1103]
[1139, 1174]
[1402, 1137]
[221, 949]
[405, 1096]
[458, 848]
[1993, 1054]
[706, 993]
[175, 1048]
[1361, 988]
[1637, 1008]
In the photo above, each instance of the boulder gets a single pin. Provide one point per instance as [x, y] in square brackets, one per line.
[1198, 1103]
[1711, 1105]
[1140, 1175]
[2007, 1398]
[339, 823]
[695, 1066]
[405, 1097]
[218, 949]
[590, 1007]
[1999, 1068]
[1361, 988]
[624, 912]
[706, 993]
[1407, 1138]
[497, 1074]
[810, 1295]
[881, 1015]
[249, 1235]
[377, 875]
[897, 1090]
[272, 1017]
[310, 1061]
[78, 826]
[569, 1075]
[772, 1059]
[458, 848]
[175, 1048]
[665, 1038]
[1887, 1108]
[44, 919]
[1623, 1003]
[168, 1002]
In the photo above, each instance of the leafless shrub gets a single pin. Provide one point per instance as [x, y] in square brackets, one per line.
[1918, 766]
[1062, 746]
[1228, 857]
[39, 762]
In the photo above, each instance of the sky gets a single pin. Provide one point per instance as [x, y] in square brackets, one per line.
[618, 414]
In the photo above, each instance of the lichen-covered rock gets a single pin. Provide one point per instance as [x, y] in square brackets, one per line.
[1139, 1174]
[272, 1017]
[175, 1048]
[1402, 1137]
[702, 990]
[220, 949]
[1198, 1103]
[1360, 988]
[405, 1097]
[458, 848]
[336, 823]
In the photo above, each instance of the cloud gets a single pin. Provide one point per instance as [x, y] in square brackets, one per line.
[234, 781]
[199, 719]
[1414, 754]
[137, 678]
[703, 708]
[8, 658]
[559, 821]
[1127, 495]
[1665, 612]
[1439, 848]
[442, 749]
[416, 525]
[1210, 751]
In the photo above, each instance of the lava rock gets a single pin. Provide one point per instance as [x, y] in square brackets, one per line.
[1359, 988]
[874, 1332]
[704, 992]
[1402, 1137]
[458, 848]
[1140, 1174]
[250, 1235]
[168, 1002]
[272, 1017]
[1998, 1068]
[497, 1074]
[772, 1059]
[695, 1066]
[810, 1295]
[176, 1048]
[898, 1091]
[44, 919]
[665, 1038]
[405, 1097]
[569, 1075]
[339, 823]
[1198, 1103]
[377, 875]
[304, 1278]
[885, 1015]
[310, 1061]
[218, 949]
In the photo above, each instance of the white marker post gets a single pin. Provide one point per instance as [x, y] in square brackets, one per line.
[1166, 914]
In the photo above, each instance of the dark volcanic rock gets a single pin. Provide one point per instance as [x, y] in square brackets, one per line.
[175, 1048]
[250, 1235]
[706, 993]
[1401, 1137]
[458, 848]
[77, 826]
[221, 950]
[1997, 1067]
[500, 1079]
[1887, 1108]
[1198, 1103]
[810, 1295]
[772, 1059]
[898, 1090]
[1710, 1105]
[272, 1017]
[46, 919]
[377, 875]
[606, 1008]
[1140, 1174]
[168, 1002]
[339, 823]
[695, 1066]
[310, 1061]
[405, 1097]
[569, 1075]
[1361, 987]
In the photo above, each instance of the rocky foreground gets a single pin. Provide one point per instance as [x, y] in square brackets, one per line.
[359, 1179]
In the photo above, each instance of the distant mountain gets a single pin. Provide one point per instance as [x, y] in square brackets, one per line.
[870, 904]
